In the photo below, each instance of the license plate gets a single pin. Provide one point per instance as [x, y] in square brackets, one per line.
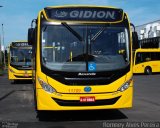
[26, 75]
[87, 99]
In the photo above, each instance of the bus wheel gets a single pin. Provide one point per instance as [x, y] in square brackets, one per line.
[42, 115]
[148, 71]
[13, 81]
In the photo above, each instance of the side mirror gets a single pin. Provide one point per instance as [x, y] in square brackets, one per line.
[135, 41]
[31, 36]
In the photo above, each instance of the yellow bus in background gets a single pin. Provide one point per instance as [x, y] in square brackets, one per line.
[147, 60]
[82, 58]
[19, 61]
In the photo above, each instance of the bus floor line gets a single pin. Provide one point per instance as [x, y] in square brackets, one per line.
[3, 97]
[149, 101]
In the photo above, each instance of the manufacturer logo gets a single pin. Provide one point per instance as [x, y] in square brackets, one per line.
[60, 14]
[25, 66]
[86, 74]
[87, 89]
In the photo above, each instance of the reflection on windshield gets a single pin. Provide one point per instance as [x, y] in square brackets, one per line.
[19, 56]
[105, 47]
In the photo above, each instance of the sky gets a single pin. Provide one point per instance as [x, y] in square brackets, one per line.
[16, 15]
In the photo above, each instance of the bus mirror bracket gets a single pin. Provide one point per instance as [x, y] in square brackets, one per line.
[31, 36]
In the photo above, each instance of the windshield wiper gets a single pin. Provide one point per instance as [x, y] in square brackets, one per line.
[72, 31]
[98, 34]
[44, 28]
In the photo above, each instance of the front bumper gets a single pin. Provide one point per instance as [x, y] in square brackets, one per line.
[115, 100]
[20, 76]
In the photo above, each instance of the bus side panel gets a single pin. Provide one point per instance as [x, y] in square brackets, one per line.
[140, 68]
[155, 65]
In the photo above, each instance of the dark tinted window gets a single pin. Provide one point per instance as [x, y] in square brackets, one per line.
[147, 56]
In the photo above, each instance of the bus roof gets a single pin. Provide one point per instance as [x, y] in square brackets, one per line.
[20, 41]
[88, 6]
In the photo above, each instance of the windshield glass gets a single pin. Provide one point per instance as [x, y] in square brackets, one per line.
[81, 48]
[20, 56]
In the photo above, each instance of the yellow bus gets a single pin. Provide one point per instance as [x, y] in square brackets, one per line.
[147, 60]
[82, 58]
[19, 61]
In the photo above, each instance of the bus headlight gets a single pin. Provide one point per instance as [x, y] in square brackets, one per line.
[125, 86]
[46, 86]
[11, 70]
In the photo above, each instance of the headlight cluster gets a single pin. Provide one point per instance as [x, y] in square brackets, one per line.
[46, 86]
[125, 86]
[11, 70]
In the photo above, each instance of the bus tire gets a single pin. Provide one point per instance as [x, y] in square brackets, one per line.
[148, 71]
[35, 100]
[14, 82]
[42, 115]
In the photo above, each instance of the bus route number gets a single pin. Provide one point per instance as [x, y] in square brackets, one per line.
[74, 90]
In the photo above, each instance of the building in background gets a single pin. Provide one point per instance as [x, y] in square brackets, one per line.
[149, 34]
[149, 30]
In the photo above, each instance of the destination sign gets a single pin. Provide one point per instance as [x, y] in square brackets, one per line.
[85, 14]
[20, 44]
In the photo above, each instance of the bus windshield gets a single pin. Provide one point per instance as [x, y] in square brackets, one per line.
[72, 48]
[20, 56]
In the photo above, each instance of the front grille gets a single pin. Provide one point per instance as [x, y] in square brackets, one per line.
[23, 76]
[73, 78]
[78, 103]
[21, 67]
